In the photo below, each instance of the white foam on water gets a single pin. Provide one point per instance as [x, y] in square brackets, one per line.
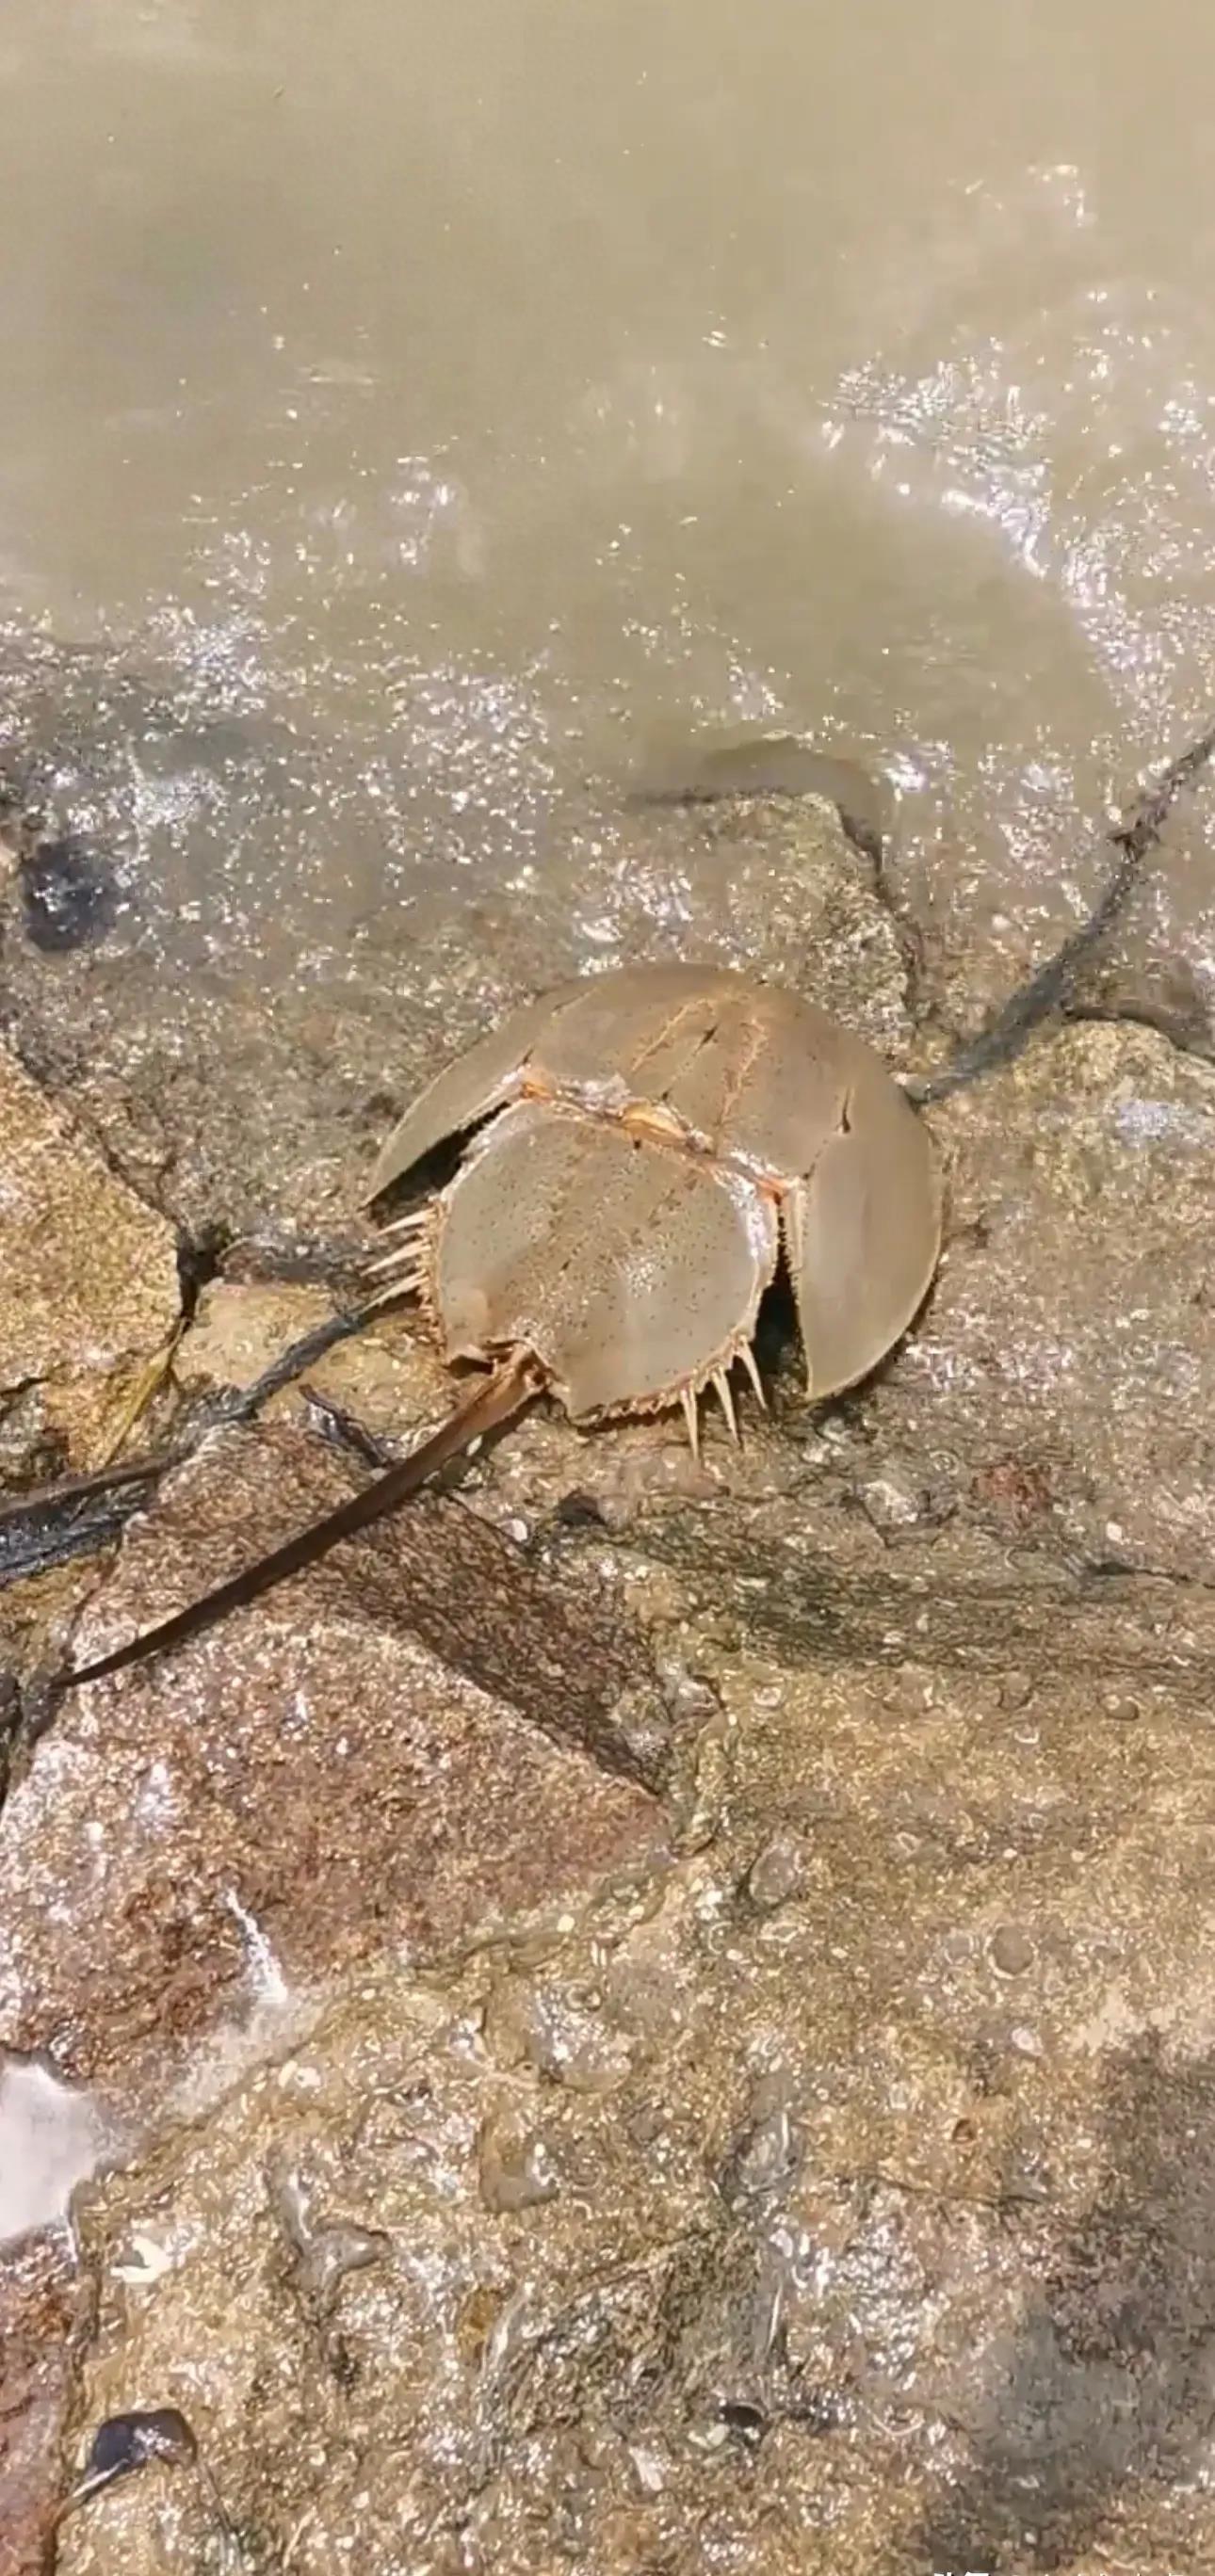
[52, 2136]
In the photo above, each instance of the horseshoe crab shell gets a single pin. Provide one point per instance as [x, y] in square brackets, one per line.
[648, 1141]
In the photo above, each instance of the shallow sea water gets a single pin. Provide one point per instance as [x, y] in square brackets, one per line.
[411, 416]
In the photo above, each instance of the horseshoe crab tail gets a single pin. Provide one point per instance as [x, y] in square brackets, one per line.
[491, 1402]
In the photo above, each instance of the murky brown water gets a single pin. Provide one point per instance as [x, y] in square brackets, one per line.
[432, 403]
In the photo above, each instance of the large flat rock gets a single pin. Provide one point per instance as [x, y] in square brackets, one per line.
[844, 2204]
[417, 1739]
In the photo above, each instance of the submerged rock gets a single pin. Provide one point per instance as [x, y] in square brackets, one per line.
[764, 765]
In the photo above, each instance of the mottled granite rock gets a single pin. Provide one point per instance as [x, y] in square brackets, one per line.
[88, 1279]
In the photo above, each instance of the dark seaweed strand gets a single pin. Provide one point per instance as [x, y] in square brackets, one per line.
[50, 1524]
[290, 1364]
[1048, 989]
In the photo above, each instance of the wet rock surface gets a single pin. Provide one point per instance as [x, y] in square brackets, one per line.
[44, 2310]
[664, 2011]
[164, 1064]
[809, 2239]
[89, 1284]
[404, 1745]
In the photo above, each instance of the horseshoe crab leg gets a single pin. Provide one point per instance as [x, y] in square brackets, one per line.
[491, 1402]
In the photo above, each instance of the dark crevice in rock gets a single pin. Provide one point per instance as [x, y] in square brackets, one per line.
[200, 1259]
[55, 1534]
[1109, 1618]
[55, 1526]
[10, 1726]
[270, 1252]
[335, 1423]
[1186, 1034]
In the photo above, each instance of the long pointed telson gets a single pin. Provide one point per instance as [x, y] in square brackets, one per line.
[1050, 989]
[492, 1401]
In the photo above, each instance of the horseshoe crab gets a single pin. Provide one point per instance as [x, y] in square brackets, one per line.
[648, 1143]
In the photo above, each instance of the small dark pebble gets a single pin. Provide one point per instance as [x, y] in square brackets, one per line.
[69, 896]
[777, 1873]
[126, 2442]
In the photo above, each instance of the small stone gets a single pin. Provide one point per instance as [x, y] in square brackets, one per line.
[1011, 1950]
[777, 1873]
[330, 2254]
[323, 2251]
[513, 2167]
[579, 1510]
[891, 1502]
[127, 2442]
